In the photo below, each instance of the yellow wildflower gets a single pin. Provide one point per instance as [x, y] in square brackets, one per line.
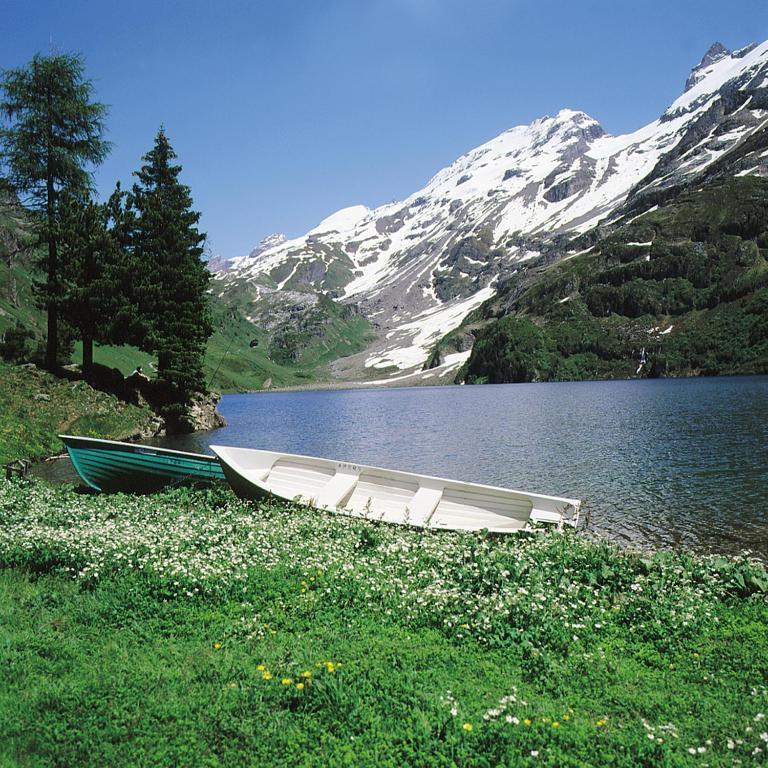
[467, 726]
[216, 646]
[306, 673]
[261, 667]
[266, 675]
[286, 681]
[526, 721]
[555, 724]
[601, 722]
[300, 686]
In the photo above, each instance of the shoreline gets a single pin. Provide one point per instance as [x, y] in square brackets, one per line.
[375, 384]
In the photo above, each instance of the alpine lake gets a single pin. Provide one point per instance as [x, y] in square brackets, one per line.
[660, 463]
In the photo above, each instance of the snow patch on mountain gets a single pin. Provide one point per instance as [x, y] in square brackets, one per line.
[341, 221]
[407, 343]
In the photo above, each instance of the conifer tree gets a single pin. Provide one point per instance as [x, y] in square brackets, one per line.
[53, 132]
[129, 323]
[90, 257]
[170, 277]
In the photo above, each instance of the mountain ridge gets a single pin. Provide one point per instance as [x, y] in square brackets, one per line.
[416, 268]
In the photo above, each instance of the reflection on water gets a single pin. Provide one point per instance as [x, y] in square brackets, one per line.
[665, 462]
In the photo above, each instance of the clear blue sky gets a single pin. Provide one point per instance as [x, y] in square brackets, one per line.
[283, 111]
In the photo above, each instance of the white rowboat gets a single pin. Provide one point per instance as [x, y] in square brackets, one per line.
[389, 495]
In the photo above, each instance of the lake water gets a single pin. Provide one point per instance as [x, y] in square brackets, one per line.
[662, 463]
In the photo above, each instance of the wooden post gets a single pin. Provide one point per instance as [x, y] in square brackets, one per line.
[19, 468]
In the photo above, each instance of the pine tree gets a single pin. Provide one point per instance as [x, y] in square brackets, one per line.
[91, 260]
[170, 275]
[130, 323]
[54, 131]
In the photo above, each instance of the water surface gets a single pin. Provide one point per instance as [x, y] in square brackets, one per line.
[662, 463]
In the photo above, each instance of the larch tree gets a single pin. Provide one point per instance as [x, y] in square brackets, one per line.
[53, 132]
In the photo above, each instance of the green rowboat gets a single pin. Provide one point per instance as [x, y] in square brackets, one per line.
[111, 466]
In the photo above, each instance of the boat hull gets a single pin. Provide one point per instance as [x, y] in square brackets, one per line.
[392, 496]
[111, 466]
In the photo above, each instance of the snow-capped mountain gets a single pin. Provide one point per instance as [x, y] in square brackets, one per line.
[416, 268]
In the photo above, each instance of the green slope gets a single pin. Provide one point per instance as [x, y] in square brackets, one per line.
[37, 406]
[23, 308]
[687, 283]
[296, 354]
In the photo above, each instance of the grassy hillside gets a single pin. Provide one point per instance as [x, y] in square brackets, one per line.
[294, 350]
[294, 355]
[204, 631]
[23, 308]
[687, 283]
[36, 406]
[297, 354]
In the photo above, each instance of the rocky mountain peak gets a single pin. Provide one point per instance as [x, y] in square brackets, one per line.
[573, 115]
[563, 117]
[566, 127]
[585, 123]
[219, 263]
[270, 241]
[715, 52]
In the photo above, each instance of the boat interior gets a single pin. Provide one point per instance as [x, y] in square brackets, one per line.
[393, 496]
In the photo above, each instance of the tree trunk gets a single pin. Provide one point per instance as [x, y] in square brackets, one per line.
[87, 356]
[52, 342]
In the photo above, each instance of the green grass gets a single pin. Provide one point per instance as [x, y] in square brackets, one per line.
[125, 359]
[232, 365]
[286, 358]
[160, 630]
[36, 406]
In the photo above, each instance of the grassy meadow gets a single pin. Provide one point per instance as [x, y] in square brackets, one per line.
[191, 628]
[35, 406]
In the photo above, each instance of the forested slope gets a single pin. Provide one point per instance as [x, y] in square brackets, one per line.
[681, 290]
